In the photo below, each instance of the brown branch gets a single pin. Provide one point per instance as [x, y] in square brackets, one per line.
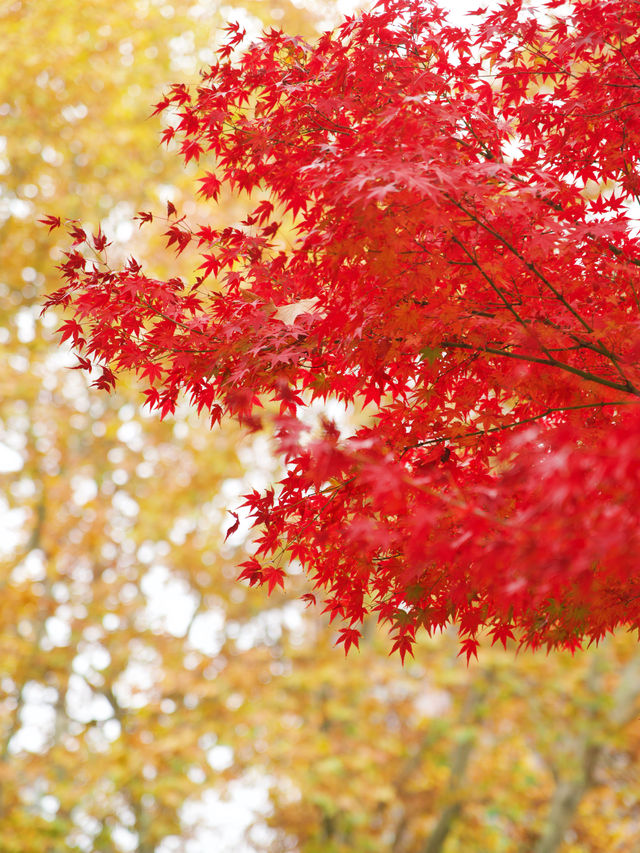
[602, 349]
[625, 387]
[550, 411]
[509, 305]
[529, 264]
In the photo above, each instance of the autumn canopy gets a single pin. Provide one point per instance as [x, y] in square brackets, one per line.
[441, 239]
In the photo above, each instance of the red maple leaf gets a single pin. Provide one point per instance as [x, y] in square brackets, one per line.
[233, 527]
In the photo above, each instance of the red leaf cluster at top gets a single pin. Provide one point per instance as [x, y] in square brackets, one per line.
[462, 263]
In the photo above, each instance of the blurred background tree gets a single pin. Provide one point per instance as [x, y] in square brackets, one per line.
[148, 702]
[111, 550]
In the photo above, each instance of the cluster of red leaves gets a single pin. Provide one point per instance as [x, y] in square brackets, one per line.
[449, 270]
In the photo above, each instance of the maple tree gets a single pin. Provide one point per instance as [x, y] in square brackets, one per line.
[439, 237]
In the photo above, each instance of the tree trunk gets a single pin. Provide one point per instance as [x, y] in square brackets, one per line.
[565, 801]
[459, 762]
